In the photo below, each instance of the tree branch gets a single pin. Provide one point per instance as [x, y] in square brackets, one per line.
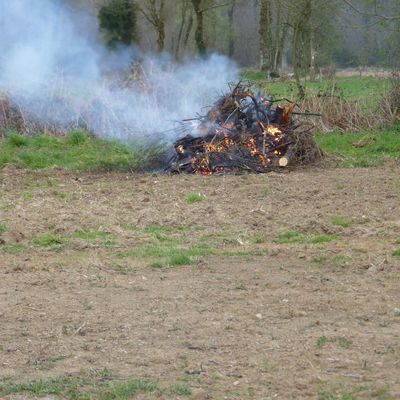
[216, 6]
[374, 15]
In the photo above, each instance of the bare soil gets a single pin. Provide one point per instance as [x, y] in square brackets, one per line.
[254, 319]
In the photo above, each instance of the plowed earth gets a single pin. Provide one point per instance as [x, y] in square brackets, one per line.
[292, 289]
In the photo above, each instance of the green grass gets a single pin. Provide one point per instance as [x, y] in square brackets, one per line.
[169, 254]
[12, 248]
[3, 228]
[367, 88]
[48, 240]
[341, 341]
[95, 387]
[340, 221]
[77, 151]
[293, 237]
[286, 237]
[322, 238]
[381, 146]
[396, 253]
[90, 234]
[194, 198]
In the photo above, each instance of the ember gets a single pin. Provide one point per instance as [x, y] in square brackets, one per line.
[242, 132]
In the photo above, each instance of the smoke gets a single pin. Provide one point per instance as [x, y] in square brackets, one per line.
[54, 67]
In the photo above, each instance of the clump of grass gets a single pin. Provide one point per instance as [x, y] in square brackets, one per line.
[258, 239]
[48, 240]
[341, 221]
[320, 259]
[16, 140]
[179, 259]
[396, 253]
[341, 341]
[3, 228]
[169, 254]
[292, 237]
[287, 237]
[181, 390]
[12, 248]
[90, 234]
[77, 137]
[322, 238]
[194, 198]
[127, 389]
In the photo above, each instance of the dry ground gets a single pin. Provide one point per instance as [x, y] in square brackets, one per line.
[292, 290]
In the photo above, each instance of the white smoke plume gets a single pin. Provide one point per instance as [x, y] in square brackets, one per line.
[53, 66]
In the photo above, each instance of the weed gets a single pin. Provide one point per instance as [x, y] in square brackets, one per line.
[2, 228]
[265, 193]
[194, 198]
[340, 221]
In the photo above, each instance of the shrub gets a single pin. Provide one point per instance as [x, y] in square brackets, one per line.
[118, 22]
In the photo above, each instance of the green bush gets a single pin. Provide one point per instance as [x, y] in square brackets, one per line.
[118, 22]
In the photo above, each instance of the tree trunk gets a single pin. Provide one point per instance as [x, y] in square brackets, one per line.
[184, 10]
[265, 35]
[231, 44]
[313, 55]
[199, 33]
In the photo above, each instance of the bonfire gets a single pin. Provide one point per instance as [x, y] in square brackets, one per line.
[243, 131]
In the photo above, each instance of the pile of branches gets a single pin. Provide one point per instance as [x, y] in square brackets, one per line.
[243, 131]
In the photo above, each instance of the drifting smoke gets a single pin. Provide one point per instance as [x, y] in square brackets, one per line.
[53, 67]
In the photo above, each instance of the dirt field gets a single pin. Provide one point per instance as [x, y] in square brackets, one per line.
[291, 289]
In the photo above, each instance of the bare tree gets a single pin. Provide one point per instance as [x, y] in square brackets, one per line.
[153, 11]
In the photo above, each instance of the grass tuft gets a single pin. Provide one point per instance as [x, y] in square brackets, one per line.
[77, 137]
[396, 253]
[323, 238]
[3, 228]
[341, 221]
[286, 237]
[16, 140]
[48, 240]
[194, 198]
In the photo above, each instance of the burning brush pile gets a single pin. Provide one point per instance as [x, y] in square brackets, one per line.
[243, 132]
